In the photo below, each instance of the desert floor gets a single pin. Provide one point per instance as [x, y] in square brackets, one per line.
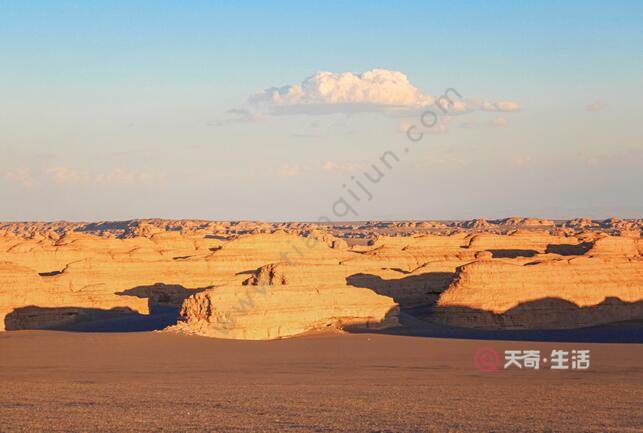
[147, 381]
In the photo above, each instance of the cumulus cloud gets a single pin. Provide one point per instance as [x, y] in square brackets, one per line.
[596, 106]
[378, 90]
[329, 92]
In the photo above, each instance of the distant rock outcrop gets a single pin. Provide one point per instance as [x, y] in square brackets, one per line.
[520, 221]
[520, 243]
[477, 223]
[581, 223]
[614, 246]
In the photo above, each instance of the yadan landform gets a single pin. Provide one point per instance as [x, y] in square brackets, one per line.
[258, 281]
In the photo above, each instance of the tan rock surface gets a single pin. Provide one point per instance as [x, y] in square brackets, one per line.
[319, 275]
[22, 287]
[284, 309]
[614, 246]
[88, 274]
[562, 293]
[521, 243]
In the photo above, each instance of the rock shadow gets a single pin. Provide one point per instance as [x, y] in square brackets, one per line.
[547, 319]
[413, 291]
[163, 298]
[512, 253]
[81, 319]
[568, 249]
[164, 303]
[545, 313]
[390, 320]
[50, 274]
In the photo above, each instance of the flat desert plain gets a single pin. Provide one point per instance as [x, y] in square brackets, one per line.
[59, 381]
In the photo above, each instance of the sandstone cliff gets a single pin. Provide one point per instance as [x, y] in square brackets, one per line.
[561, 293]
[515, 272]
[283, 300]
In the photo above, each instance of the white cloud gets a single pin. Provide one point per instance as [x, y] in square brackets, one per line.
[62, 175]
[596, 106]
[378, 90]
[326, 92]
[329, 92]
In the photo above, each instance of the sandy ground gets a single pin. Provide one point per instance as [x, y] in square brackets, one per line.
[58, 381]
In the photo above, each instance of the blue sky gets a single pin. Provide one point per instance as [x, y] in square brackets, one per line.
[115, 110]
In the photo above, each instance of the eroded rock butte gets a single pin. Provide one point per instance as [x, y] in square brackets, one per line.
[255, 280]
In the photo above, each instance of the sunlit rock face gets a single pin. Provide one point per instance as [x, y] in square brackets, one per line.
[80, 277]
[284, 300]
[24, 293]
[257, 280]
[549, 294]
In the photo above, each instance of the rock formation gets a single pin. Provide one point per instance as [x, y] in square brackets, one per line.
[549, 294]
[244, 279]
[614, 246]
[283, 300]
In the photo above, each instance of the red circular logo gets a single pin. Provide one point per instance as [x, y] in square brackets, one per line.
[486, 359]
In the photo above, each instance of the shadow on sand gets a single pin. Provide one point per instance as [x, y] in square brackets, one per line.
[164, 302]
[81, 319]
[620, 321]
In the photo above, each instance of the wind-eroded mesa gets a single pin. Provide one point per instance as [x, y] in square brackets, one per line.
[252, 280]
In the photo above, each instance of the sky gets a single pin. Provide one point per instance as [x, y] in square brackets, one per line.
[320, 111]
